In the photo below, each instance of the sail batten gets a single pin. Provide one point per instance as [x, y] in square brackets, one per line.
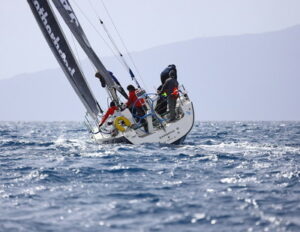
[57, 42]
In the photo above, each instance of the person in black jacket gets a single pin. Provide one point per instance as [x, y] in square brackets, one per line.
[162, 103]
[170, 89]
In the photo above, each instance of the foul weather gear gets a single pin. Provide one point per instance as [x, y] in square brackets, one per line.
[110, 111]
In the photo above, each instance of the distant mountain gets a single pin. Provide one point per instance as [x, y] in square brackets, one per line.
[247, 77]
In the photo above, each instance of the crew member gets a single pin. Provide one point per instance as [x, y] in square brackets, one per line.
[136, 106]
[111, 110]
[103, 83]
[162, 103]
[170, 88]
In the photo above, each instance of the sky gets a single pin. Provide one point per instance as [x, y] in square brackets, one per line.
[143, 24]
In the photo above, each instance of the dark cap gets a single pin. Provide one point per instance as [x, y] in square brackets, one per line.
[112, 104]
[130, 88]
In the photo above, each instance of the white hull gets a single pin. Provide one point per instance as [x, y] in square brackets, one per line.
[168, 133]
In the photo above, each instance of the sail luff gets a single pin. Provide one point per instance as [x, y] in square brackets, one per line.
[67, 13]
[56, 40]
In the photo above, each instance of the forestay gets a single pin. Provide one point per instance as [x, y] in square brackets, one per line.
[63, 53]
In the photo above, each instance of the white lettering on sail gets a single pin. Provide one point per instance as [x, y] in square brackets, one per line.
[55, 40]
[68, 8]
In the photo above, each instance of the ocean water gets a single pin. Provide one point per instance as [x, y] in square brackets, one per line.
[227, 176]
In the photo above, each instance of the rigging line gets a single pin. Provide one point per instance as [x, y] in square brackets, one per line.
[126, 67]
[120, 54]
[93, 8]
[97, 31]
[122, 59]
[93, 26]
[123, 43]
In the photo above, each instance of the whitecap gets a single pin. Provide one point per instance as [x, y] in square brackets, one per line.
[198, 217]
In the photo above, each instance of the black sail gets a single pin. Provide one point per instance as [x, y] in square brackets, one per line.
[63, 53]
[67, 13]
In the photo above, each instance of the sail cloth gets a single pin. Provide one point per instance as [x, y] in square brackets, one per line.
[67, 13]
[60, 48]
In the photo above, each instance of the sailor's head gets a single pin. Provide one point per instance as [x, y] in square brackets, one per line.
[130, 88]
[172, 74]
[112, 103]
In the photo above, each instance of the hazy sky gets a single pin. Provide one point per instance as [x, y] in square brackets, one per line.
[142, 23]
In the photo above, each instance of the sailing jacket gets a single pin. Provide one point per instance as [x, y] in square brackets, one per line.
[133, 100]
[110, 111]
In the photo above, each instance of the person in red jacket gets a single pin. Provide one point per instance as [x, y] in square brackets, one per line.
[111, 110]
[133, 101]
[136, 106]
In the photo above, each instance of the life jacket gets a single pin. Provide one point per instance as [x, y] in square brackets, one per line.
[175, 92]
[133, 100]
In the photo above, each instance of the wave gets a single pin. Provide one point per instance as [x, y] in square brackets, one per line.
[24, 143]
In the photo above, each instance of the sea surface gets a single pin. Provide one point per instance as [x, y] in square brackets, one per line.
[227, 176]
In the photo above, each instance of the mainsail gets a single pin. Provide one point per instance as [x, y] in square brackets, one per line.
[67, 13]
[63, 53]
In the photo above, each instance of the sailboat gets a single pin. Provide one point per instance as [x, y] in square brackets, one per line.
[124, 125]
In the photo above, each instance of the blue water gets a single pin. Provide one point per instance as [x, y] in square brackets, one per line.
[227, 176]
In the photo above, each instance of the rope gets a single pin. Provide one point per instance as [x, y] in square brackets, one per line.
[125, 65]
[123, 43]
[98, 32]
[120, 54]
[93, 8]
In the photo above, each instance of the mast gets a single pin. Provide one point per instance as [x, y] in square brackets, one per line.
[57, 42]
[67, 13]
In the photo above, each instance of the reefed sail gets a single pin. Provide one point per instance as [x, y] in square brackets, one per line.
[63, 53]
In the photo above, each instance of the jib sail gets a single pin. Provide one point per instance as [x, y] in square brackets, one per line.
[67, 13]
[63, 53]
